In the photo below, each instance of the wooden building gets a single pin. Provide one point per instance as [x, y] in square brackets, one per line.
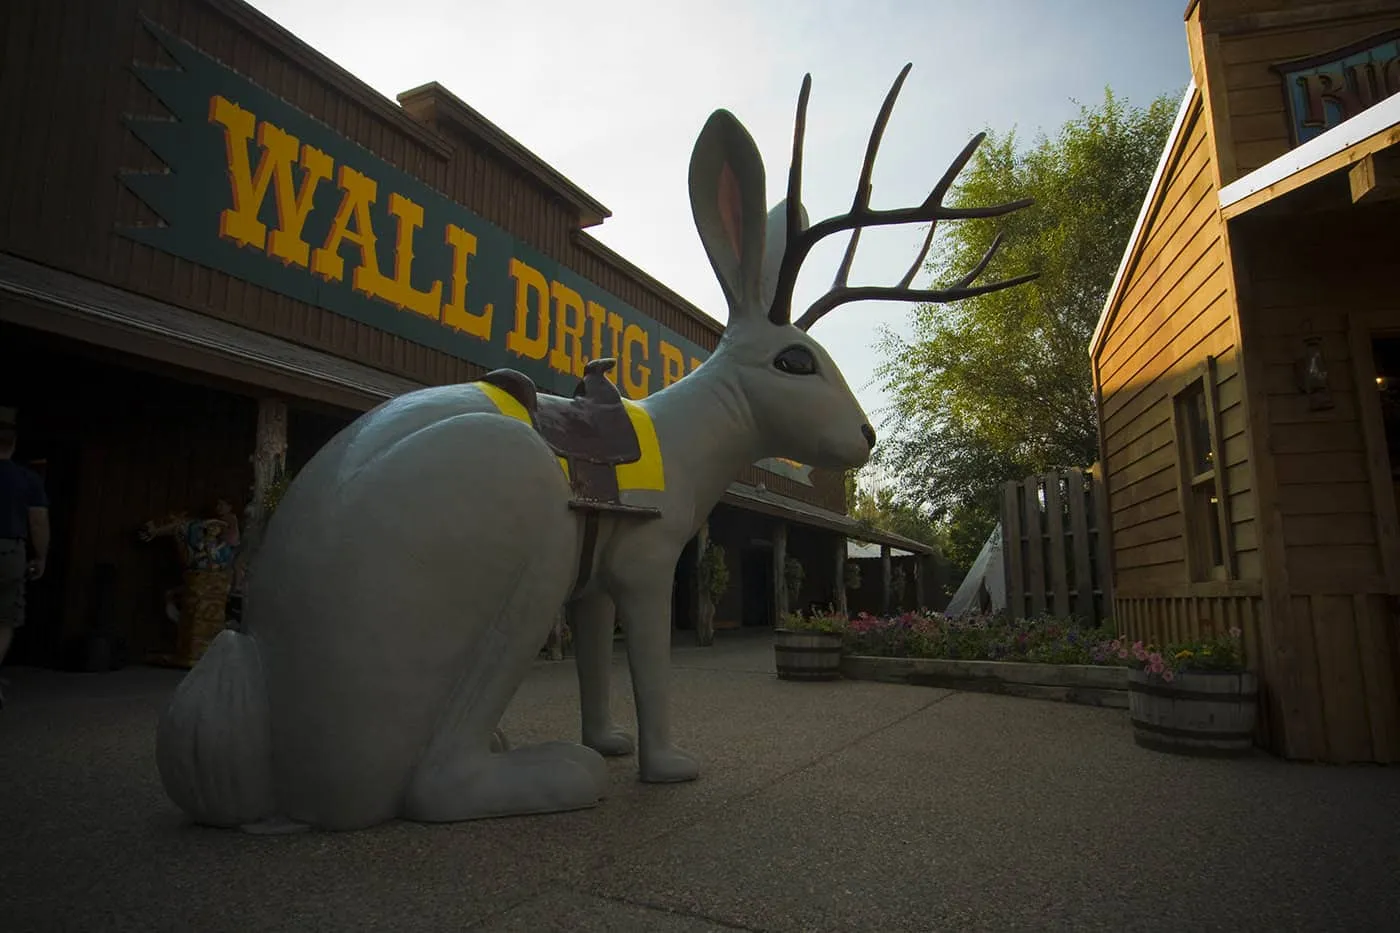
[1247, 365]
[217, 247]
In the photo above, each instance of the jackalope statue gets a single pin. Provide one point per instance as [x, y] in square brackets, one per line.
[415, 565]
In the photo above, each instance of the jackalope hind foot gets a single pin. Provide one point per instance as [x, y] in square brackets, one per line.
[613, 742]
[551, 777]
[668, 766]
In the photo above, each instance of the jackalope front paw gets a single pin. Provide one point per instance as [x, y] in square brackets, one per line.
[668, 766]
[613, 742]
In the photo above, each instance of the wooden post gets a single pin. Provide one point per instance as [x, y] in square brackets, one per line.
[841, 604]
[704, 608]
[780, 600]
[885, 579]
[919, 574]
[269, 460]
[1079, 496]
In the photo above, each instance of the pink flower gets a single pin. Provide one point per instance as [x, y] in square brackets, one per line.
[1114, 645]
[1156, 666]
[1168, 676]
[1235, 632]
[1123, 653]
[1139, 651]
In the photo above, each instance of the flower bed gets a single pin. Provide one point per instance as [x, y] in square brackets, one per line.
[1042, 657]
[978, 638]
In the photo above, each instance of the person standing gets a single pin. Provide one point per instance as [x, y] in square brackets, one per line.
[24, 525]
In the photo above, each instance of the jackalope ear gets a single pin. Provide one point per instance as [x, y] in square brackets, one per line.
[726, 197]
[776, 247]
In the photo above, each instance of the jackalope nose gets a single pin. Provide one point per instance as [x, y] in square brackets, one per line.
[869, 433]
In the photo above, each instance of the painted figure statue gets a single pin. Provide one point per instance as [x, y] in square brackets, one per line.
[207, 549]
[416, 564]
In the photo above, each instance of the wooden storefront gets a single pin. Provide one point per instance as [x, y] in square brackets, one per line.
[208, 228]
[1245, 370]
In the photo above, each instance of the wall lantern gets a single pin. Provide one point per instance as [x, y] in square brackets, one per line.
[1311, 372]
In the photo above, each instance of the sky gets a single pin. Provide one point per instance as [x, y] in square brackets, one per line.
[613, 93]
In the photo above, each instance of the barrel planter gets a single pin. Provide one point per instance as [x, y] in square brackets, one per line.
[805, 655]
[1198, 713]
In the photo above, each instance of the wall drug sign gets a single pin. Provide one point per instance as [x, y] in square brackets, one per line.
[266, 193]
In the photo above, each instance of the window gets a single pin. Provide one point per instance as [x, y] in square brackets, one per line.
[1202, 478]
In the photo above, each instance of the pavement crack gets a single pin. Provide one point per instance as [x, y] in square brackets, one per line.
[606, 861]
[661, 908]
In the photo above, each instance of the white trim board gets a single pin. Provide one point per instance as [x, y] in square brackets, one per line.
[1377, 118]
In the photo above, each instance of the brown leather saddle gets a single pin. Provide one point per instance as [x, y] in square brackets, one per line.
[591, 431]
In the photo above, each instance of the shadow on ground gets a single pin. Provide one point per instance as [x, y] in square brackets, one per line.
[837, 806]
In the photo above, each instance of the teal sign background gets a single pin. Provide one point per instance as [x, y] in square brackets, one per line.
[193, 195]
[1324, 91]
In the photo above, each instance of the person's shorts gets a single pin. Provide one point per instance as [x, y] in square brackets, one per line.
[14, 564]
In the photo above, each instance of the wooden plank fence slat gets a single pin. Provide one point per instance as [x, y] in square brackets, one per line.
[1057, 556]
[1101, 529]
[1079, 542]
[1035, 546]
[1011, 548]
[1055, 528]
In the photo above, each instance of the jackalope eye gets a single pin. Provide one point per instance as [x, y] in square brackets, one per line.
[796, 360]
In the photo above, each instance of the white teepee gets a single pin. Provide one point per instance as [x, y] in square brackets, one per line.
[984, 587]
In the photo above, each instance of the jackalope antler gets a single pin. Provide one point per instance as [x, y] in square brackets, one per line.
[800, 241]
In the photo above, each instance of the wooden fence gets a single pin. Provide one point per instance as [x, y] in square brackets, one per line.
[1055, 544]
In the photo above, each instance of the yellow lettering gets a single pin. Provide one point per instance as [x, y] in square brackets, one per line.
[568, 326]
[672, 363]
[614, 342]
[240, 223]
[636, 386]
[409, 217]
[358, 193]
[455, 313]
[597, 319]
[518, 340]
[293, 205]
[694, 364]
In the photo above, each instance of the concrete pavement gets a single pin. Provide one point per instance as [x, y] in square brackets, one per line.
[837, 806]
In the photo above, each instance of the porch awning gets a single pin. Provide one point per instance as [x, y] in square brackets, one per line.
[72, 306]
[763, 501]
[1364, 136]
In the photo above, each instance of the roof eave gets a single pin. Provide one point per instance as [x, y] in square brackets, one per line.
[1367, 126]
[439, 101]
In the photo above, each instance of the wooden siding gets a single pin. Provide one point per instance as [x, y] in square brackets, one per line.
[1174, 310]
[69, 84]
[1310, 276]
[1246, 88]
[1324, 489]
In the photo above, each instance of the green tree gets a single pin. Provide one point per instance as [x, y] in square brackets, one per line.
[999, 386]
[881, 509]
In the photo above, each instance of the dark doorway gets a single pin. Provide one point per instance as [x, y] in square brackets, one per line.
[1386, 353]
[118, 443]
[756, 580]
